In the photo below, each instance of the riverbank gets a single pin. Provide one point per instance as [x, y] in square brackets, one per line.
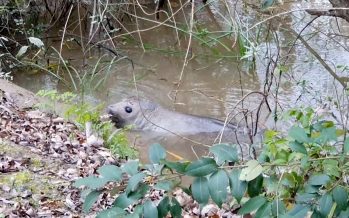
[41, 156]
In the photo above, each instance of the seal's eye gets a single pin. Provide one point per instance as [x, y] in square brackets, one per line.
[128, 109]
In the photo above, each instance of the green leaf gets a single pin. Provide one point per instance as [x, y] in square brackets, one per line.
[346, 146]
[111, 213]
[298, 147]
[340, 196]
[327, 134]
[321, 179]
[217, 186]
[252, 205]
[331, 167]
[175, 208]
[252, 171]
[297, 211]
[140, 191]
[90, 199]
[278, 208]
[164, 207]
[201, 167]
[267, 3]
[200, 190]
[344, 214]
[92, 182]
[224, 153]
[305, 198]
[150, 210]
[122, 201]
[178, 166]
[325, 204]
[110, 172]
[164, 185]
[134, 182]
[254, 187]
[238, 187]
[298, 134]
[156, 153]
[130, 167]
[264, 211]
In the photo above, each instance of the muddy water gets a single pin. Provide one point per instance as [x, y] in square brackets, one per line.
[214, 79]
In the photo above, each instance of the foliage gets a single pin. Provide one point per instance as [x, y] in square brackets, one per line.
[82, 113]
[295, 175]
[117, 140]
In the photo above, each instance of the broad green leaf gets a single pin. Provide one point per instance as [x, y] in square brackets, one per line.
[271, 184]
[264, 211]
[200, 190]
[156, 153]
[134, 182]
[217, 185]
[251, 172]
[298, 134]
[238, 187]
[175, 208]
[112, 213]
[298, 147]
[344, 214]
[267, 3]
[110, 172]
[36, 41]
[150, 210]
[140, 191]
[325, 204]
[252, 205]
[305, 198]
[327, 134]
[164, 207]
[90, 199]
[130, 167]
[254, 187]
[278, 208]
[312, 189]
[177, 166]
[289, 180]
[340, 196]
[320, 179]
[92, 182]
[297, 211]
[122, 201]
[164, 185]
[201, 167]
[331, 167]
[224, 153]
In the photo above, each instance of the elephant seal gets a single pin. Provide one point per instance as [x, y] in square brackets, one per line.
[145, 115]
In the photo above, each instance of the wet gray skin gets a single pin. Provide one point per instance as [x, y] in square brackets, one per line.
[145, 115]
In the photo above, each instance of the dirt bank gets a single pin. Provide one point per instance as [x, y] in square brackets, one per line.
[41, 155]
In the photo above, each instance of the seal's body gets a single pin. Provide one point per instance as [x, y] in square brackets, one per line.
[145, 115]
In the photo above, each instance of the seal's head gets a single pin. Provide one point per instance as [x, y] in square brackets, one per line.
[129, 111]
